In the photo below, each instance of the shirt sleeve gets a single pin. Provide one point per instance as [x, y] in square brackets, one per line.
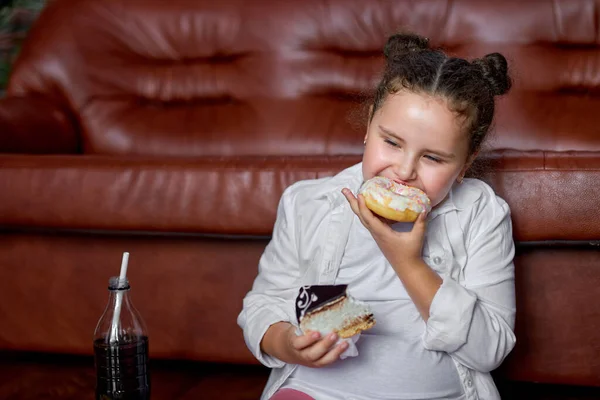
[271, 298]
[474, 321]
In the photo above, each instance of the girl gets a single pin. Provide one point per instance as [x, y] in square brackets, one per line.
[442, 291]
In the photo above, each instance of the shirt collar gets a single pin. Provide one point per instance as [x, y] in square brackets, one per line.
[353, 180]
[447, 205]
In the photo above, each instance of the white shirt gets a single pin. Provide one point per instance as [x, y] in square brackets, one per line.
[392, 349]
[468, 242]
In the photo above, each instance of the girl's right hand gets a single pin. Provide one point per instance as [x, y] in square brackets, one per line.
[310, 349]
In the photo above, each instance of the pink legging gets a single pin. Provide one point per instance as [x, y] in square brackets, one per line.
[290, 394]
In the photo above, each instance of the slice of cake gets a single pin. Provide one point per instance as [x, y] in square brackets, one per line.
[329, 308]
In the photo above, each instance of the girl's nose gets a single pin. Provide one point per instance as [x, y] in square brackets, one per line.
[405, 170]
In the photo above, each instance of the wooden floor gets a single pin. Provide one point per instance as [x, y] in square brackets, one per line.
[38, 377]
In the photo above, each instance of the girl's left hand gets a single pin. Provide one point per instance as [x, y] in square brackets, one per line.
[400, 248]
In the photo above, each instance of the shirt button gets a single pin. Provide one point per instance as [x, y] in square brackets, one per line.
[437, 260]
[469, 383]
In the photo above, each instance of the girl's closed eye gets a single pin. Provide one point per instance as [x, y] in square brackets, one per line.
[434, 159]
[391, 142]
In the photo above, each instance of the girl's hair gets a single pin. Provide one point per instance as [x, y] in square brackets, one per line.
[468, 87]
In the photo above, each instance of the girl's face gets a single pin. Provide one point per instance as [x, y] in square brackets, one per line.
[416, 140]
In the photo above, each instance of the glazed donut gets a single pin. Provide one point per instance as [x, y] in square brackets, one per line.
[393, 200]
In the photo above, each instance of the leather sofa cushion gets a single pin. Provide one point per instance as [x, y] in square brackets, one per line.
[238, 196]
[190, 290]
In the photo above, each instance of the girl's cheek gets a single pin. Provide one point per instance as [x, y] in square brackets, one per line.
[436, 184]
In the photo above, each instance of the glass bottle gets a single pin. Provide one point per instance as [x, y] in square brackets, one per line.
[121, 348]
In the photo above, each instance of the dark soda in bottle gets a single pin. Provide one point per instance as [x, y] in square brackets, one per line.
[121, 348]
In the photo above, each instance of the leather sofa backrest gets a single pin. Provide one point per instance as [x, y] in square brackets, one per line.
[271, 77]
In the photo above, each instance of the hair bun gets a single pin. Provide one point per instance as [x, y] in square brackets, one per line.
[495, 71]
[401, 44]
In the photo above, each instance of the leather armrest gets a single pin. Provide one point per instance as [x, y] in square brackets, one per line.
[34, 125]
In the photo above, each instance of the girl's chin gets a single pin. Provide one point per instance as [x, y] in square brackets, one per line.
[436, 203]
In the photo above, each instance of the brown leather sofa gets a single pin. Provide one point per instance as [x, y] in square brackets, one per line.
[170, 129]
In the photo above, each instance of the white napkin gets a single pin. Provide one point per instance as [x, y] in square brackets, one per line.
[352, 350]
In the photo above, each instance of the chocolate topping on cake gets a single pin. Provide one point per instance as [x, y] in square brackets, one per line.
[316, 296]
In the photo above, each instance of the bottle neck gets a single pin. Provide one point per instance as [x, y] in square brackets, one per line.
[115, 294]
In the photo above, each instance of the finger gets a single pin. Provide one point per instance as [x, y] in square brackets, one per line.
[368, 218]
[363, 210]
[420, 225]
[319, 349]
[332, 355]
[351, 199]
[306, 340]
